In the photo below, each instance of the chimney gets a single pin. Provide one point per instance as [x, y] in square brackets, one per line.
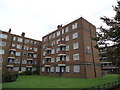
[23, 34]
[59, 26]
[9, 30]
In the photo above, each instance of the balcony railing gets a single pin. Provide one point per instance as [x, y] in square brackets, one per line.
[61, 43]
[61, 53]
[48, 48]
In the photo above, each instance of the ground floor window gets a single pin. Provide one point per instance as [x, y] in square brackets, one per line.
[43, 69]
[52, 69]
[76, 68]
[67, 68]
[57, 69]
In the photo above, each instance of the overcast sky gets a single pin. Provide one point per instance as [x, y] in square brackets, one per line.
[39, 17]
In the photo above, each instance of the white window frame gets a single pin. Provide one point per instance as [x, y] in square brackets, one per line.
[58, 33]
[76, 56]
[20, 39]
[76, 68]
[67, 48]
[67, 57]
[66, 29]
[74, 26]
[67, 38]
[75, 45]
[67, 68]
[75, 35]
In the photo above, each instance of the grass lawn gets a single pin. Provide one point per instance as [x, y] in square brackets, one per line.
[36, 81]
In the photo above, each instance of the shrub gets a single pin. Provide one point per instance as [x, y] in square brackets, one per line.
[27, 72]
[9, 76]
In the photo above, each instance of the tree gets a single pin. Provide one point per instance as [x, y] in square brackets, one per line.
[111, 34]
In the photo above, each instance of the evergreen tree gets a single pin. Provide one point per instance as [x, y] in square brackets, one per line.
[110, 34]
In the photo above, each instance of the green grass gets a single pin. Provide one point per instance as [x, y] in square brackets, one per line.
[35, 81]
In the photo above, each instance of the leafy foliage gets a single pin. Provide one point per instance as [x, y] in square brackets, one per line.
[110, 34]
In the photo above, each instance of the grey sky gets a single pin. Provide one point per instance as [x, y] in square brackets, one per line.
[39, 17]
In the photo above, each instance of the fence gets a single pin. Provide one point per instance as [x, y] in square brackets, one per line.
[107, 86]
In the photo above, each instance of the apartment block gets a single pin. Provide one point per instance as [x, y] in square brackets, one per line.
[69, 51]
[19, 53]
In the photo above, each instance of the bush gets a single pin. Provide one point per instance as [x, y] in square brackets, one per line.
[9, 76]
[27, 72]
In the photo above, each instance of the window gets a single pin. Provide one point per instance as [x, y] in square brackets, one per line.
[62, 31]
[19, 46]
[24, 62]
[52, 69]
[18, 53]
[75, 35]
[67, 68]
[35, 56]
[57, 59]
[35, 49]
[30, 48]
[23, 69]
[57, 69]
[44, 53]
[43, 69]
[52, 60]
[63, 39]
[2, 51]
[14, 38]
[66, 29]
[13, 45]
[20, 39]
[53, 35]
[25, 54]
[44, 46]
[76, 56]
[31, 42]
[67, 38]
[75, 45]
[17, 61]
[26, 41]
[58, 33]
[76, 68]
[58, 49]
[57, 41]
[15, 68]
[74, 26]
[43, 61]
[50, 36]
[2, 43]
[1, 59]
[35, 43]
[62, 69]
[25, 47]
[53, 51]
[67, 57]
[67, 48]
[4, 36]
[44, 39]
[52, 43]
